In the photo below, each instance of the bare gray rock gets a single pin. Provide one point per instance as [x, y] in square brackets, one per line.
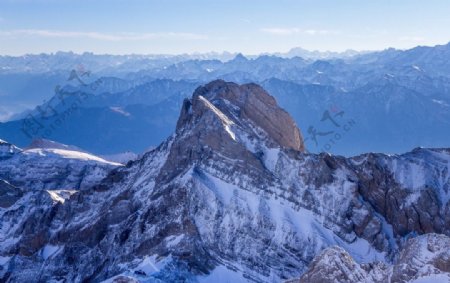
[425, 257]
[251, 103]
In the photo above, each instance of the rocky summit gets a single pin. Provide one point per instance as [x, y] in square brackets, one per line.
[231, 196]
[244, 105]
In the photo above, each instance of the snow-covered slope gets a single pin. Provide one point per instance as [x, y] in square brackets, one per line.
[230, 196]
[44, 143]
[50, 165]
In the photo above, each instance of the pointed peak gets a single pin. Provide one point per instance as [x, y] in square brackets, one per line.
[6, 143]
[49, 144]
[7, 149]
[240, 58]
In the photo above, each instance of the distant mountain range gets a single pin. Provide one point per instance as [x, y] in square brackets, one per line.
[388, 101]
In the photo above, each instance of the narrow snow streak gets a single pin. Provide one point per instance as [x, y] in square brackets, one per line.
[225, 120]
[60, 195]
[68, 154]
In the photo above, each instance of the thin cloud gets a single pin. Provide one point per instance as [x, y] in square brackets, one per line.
[281, 31]
[103, 36]
[412, 38]
[319, 32]
[292, 31]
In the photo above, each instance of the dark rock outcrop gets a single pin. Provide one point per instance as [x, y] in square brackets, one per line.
[9, 194]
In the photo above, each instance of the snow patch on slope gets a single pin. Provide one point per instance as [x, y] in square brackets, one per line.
[271, 158]
[120, 111]
[409, 174]
[50, 250]
[226, 122]
[60, 195]
[432, 278]
[221, 274]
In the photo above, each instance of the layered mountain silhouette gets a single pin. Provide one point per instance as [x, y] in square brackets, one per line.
[389, 101]
[232, 195]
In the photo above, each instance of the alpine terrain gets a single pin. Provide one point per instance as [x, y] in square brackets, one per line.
[231, 196]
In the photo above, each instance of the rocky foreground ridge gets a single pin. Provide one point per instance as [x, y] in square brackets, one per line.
[231, 196]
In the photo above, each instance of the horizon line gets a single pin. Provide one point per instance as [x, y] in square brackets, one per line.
[222, 52]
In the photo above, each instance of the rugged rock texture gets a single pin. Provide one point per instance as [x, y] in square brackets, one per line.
[424, 258]
[7, 150]
[400, 189]
[8, 194]
[252, 105]
[230, 196]
[334, 264]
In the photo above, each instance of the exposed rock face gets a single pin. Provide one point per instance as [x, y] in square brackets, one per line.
[230, 195]
[400, 189]
[425, 257]
[7, 150]
[250, 103]
[8, 194]
[336, 265]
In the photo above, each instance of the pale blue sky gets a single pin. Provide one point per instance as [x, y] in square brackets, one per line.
[247, 26]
